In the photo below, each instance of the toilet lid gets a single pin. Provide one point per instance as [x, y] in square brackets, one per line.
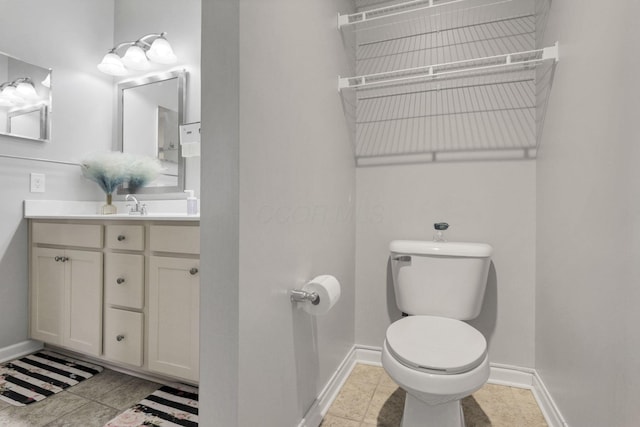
[436, 344]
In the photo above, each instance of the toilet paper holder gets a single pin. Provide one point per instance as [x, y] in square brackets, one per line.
[298, 295]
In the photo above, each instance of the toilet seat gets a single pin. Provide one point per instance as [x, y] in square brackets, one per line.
[436, 345]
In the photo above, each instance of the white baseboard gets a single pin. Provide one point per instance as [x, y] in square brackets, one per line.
[507, 375]
[321, 405]
[547, 405]
[18, 350]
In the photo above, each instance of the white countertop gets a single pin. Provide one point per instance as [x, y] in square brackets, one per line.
[158, 210]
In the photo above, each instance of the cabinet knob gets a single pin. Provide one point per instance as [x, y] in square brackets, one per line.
[61, 259]
[120, 337]
[193, 271]
[57, 258]
[120, 280]
[121, 237]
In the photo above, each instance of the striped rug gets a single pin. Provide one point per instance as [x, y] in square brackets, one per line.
[169, 406]
[39, 375]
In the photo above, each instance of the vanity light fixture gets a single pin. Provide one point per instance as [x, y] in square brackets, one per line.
[16, 92]
[25, 89]
[151, 47]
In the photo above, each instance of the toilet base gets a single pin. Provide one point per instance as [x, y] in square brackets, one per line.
[419, 414]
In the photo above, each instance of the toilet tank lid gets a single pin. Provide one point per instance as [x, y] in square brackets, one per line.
[430, 247]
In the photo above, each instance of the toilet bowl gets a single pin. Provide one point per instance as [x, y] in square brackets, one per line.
[432, 353]
[437, 361]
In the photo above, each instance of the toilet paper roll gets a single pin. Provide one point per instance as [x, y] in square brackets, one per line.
[328, 289]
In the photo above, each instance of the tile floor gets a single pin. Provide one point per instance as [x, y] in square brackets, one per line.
[370, 398]
[89, 404]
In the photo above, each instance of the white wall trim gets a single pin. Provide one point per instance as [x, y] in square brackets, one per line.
[321, 405]
[547, 405]
[507, 375]
[20, 349]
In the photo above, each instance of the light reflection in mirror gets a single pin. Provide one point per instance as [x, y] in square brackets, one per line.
[25, 99]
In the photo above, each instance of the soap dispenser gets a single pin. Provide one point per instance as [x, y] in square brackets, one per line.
[192, 203]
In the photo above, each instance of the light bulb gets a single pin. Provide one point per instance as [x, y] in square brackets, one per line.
[112, 64]
[161, 52]
[135, 58]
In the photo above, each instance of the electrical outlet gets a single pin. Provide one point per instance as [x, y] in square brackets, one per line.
[37, 182]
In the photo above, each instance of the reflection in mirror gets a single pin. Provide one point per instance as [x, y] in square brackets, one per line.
[25, 99]
[150, 111]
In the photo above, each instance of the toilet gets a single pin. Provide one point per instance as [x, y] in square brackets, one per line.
[432, 353]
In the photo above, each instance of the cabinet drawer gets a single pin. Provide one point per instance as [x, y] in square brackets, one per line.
[175, 238]
[82, 235]
[124, 280]
[128, 237]
[123, 336]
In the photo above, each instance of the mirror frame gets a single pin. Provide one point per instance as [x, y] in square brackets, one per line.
[181, 76]
[43, 112]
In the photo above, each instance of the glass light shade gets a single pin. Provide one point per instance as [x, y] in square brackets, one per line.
[26, 91]
[112, 64]
[47, 81]
[135, 58]
[161, 52]
[10, 94]
[5, 103]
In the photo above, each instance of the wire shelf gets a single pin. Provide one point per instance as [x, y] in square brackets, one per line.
[437, 78]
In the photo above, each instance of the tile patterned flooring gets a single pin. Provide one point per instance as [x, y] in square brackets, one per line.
[370, 398]
[89, 404]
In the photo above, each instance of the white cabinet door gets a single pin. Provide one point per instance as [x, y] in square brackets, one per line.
[174, 295]
[83, 302]
[66, 298]
[47, 294]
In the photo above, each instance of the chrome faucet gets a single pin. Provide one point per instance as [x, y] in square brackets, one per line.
[138, 209]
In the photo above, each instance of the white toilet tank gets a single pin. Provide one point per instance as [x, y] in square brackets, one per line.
[445, 279]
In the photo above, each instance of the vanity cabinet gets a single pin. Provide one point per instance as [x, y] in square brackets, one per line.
[66, 287]
[124, 279]
[124, 291]
[174, 297]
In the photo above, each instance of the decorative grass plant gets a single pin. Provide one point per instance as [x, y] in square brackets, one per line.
[109, 170]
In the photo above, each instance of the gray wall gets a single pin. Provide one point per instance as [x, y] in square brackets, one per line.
[69, 36]
[492, 202]
[588, 234]
[296, 178]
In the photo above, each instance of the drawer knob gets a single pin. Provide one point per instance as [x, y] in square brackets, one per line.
[120, 280]
[120, 337]
[121, 237]
[61, 259]
[193, 271]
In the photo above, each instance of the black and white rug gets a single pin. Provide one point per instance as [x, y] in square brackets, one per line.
[39, 375]
[169, 406]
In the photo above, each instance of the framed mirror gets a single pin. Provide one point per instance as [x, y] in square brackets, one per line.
[25, 99]
[149, 113]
